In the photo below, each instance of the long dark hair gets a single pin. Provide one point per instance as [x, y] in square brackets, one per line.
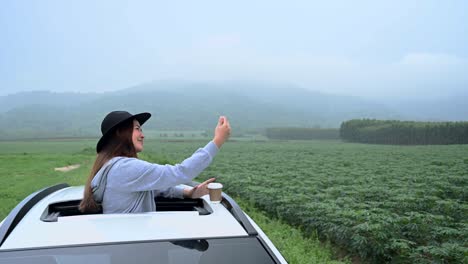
[119, 143]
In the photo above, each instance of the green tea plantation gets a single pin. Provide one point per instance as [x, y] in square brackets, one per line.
[383, 203]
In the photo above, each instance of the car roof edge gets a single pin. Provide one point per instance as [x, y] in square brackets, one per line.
[15, 216]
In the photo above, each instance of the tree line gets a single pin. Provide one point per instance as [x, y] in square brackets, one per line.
[397, 132]
[301, 133]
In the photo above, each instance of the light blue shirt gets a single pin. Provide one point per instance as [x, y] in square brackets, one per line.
[132, 184]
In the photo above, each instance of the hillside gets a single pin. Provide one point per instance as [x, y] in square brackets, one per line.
[182, 106]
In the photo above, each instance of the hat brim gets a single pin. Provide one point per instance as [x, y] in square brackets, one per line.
[141, 118]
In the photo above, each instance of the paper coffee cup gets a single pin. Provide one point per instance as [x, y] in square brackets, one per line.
[215, 189]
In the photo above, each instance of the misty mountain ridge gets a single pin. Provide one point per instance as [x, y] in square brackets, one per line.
[184, 105]
[21, 99]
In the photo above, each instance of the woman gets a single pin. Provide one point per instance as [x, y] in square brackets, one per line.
[122, 183]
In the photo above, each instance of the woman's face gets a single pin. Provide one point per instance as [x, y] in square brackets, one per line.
[137, 136]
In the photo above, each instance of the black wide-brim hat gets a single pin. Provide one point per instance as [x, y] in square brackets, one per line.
[112, 121]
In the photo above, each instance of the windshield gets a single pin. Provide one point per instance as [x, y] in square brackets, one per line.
[228, 250]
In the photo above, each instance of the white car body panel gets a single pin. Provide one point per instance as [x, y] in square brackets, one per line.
[54, 231]
[69, 230]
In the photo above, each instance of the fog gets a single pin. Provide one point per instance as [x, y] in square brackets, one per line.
[399, 50]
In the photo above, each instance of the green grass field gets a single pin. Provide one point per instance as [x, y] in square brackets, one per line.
[378, 203]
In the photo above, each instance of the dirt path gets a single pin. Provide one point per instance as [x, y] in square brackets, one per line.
[68, 168]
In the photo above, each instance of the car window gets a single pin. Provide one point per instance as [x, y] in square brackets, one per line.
[226, 250]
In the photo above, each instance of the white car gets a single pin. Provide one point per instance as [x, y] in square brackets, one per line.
[46, 227]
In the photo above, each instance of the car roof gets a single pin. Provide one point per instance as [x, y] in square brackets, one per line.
[30, 231]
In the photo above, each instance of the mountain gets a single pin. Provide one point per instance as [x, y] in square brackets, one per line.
[184, 105]
[23, 99]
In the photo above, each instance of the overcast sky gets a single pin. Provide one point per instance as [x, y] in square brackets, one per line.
[363, 48]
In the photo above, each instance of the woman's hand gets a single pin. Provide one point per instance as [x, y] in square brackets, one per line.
[222, 131]
[199, 190]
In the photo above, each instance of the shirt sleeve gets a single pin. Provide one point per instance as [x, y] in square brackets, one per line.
[171, 192]
[134, 175]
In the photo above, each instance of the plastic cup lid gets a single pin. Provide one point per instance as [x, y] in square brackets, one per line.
[215, 185]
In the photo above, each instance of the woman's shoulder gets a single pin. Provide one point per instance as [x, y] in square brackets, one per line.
[129, 163]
